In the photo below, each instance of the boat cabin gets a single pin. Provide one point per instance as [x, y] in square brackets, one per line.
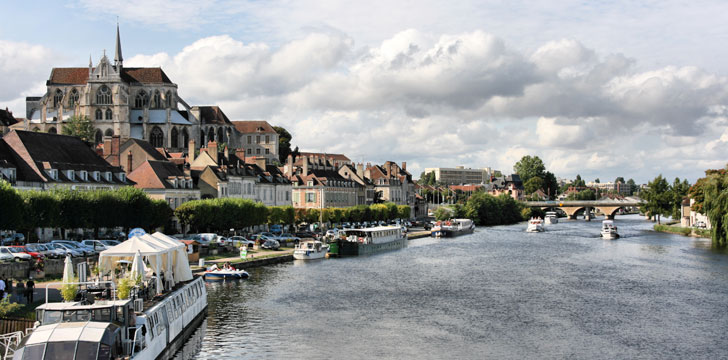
[377, 235]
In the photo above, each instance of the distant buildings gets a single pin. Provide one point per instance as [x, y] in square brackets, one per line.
[620, 188]
[259, 139]
[460, 175]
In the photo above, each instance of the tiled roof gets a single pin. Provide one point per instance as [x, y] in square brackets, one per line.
[213, 115]
[6, 118]
[144, 145]
[79, 76]
[153, 174]
[340, 157]
[253, 126]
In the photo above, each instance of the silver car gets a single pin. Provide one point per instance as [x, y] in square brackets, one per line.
[97, 245]
[68, 249]
[87, 251]
[40, 248]
[17, 253]
[6, 255]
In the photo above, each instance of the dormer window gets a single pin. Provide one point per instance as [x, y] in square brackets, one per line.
[96, 175]
[173, 182]
[83, 175]
[122, 177]
[310, 183]
[70, 175]
[53, 173]
[108, 176]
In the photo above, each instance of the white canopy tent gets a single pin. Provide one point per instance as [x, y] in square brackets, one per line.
[181, 269]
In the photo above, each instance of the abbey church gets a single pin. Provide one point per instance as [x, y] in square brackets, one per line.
[131, 102]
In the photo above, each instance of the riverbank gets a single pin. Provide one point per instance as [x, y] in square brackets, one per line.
[691, 232]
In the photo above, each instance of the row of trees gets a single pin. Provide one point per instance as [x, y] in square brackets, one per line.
[71, 209]
[486, 209]
[711, 198]
[223, 214]
[663, 199]
[534, 176]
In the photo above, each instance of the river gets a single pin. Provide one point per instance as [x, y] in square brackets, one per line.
[498, 293]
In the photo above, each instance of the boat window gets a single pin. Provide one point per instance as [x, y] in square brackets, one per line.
[102, 315]
[33, 352]
[59, 350]
[104, 352]
[51, 317]
[86, 350]
[83, 315]
[120, 314]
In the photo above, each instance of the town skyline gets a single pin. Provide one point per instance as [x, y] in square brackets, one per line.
[590, 102]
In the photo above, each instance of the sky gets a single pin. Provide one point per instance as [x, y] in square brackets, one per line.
[597, 88]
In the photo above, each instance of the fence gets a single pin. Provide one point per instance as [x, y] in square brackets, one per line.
[13, 325]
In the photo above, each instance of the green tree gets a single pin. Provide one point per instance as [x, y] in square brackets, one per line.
[658, 198]
[578, 182]
[80, 126]
[550, 184]
[678, 192]
[528, 167]
[597, 180]
[632, 186]
[284, 143]
[12, 207]
[532, 185]
[619, 180]
[711, 199]
[443, 213]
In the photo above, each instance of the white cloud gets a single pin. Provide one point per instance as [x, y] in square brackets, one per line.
[22, 66]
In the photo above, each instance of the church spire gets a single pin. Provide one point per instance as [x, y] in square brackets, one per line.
[90, 65]
[118, 59]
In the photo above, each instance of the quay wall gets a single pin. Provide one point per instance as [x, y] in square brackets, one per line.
[51, 268]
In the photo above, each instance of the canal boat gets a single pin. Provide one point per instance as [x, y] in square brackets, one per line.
[144, 326]
[551, 218]
[535, 225]
[310, 250]
[225, 274]
[370, 240]
[609, 230]
[456, 227]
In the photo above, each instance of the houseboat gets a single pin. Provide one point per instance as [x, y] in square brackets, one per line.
[609, 230]
[535, 225]
[149, 325]
[310, 250]
[371, 240]
[453, 228]
[551, 218]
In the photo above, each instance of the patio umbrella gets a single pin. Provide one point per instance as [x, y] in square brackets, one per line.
[68, 270]
[137, 266]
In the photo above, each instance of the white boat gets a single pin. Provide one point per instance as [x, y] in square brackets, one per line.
[609, 230]
[551, 218]
[456, 227]
[370, 240]
[223, 274]
[141, 327]
[535, 225]
[310, 250]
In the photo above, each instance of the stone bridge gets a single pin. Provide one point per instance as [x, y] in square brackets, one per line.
[571, 207]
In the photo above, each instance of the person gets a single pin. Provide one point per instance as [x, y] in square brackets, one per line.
[2, 288]
[29, 289]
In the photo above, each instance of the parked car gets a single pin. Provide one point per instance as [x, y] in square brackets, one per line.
[97, 245]
[6, 255]
[332, 234]
[237, 240]
[75, 245]
[17, 253]
[55, 253]
[206, 238]
[306, 234]
[271, 244]
[40, 248]
[67, 249]
[110, 243]
[37, 255]
[260, 238]
[276, 228]
[700, 225]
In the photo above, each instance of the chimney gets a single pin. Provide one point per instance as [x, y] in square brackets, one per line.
[116, 148]
[107, 146]
[240, 153]
[226, 152]
[305, 166]
[191, 150]
[388, 169]
[128, 163]
[260, 161]
[212, 151]
[360, 170]
[404, 165]
[289, 166]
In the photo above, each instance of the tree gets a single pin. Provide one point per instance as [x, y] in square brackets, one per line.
[658, 198]
[528, 167]
[550, 184]
[284, 143]
[678, 192]
[710, 195]
[80, 126]
[578, 182]
[632, 186]
[597, 180]
[532, 185]
[12, 207]
[619, 180]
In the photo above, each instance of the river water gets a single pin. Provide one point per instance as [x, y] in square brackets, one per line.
[498, 293]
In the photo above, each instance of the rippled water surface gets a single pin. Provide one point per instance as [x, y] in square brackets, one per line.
[499, 293]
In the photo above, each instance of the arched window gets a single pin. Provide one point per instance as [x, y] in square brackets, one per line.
[103, 96]
[52, 131]
[109, 132]
[73, 98]
[141, 100]
[168, 98]
[211, 135]
[57, 98]
[156, 100]
[99, 114]
[220, 137]
[98, 138]
[156, 137]
[108, 114]
[174, 138]
[185, 137]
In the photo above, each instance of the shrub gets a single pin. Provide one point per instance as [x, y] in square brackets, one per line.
[69, 291]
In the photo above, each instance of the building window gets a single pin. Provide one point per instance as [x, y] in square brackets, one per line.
[250, 151]
[141, 100]
[257, 151]
[98, 137]
[250, 138]
[108, 176]
[168, 98]
[103, 95]
[257, 139]
[185, 137]
[267, 151]
[52, 131]
[156, 100]
[202, 138]
[99, 114]
[73, 98]
[109, 132]
[156, 137]
[267, 139]
[174, 137]
[211, 135]
[57, 98]
[310, 197]
[220, 133]
[109, 114]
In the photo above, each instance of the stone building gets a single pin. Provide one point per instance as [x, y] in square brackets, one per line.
[259, 139]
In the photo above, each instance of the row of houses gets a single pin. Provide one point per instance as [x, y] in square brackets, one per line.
[510, 185]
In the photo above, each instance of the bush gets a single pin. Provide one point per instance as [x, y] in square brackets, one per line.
[6, 307]
[123, 287]
[69, 291]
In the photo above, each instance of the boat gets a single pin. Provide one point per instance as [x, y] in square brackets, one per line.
[310, 250]
[144, 326]
[551, 218]
[453, 228]
[609, 230]
[213, 273]
[370, 240]
[535, 225]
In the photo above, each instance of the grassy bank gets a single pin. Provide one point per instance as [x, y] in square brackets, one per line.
[672, 229]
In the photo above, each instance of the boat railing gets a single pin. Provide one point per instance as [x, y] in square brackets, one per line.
[9, 342]
[133, 343]
[87, 283]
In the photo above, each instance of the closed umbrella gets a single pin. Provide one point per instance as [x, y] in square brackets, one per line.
[68, 270]
[137, 266]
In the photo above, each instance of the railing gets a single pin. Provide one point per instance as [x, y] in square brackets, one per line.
[113, 286]
[9, 342]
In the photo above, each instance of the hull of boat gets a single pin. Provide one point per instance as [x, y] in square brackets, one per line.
[350, 248]
[551, 221]
[225, 276]
[610, 235]
[180, 340]
[534, 229]
[454, 233]
[309, 255]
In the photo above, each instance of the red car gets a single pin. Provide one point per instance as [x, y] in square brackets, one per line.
[35, 255]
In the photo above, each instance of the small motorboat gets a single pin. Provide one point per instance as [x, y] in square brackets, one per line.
[535, 225]
[213, 273]
[609, 230]
[551, 218]
[310, 249]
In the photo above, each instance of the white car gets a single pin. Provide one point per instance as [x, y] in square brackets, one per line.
[68, 249]
[206, 238]
[6, 255]
[237, 240]
[97, 245]
[17, 253]
[40, 248]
